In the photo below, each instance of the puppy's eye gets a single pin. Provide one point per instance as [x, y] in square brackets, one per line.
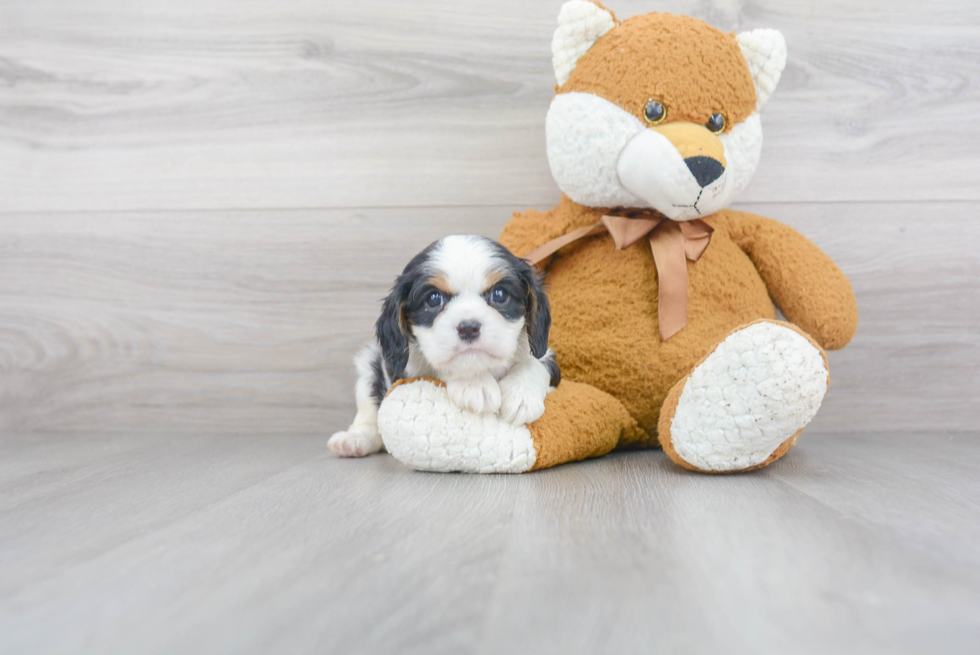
[435, 300]
[498, 296]
[716, 123]
[654, 112]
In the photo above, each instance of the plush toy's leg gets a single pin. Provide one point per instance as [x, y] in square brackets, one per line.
[746, 403]
[580, 422]
[422, 428]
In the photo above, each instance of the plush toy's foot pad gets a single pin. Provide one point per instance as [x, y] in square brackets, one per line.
[422, 428]
[745, 404]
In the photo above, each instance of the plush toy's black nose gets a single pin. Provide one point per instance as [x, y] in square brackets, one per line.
[705, 169]
[468, 330]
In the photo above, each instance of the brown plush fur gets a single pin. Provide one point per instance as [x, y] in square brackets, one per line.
[438, 383]
[604, 301]
[672, 50]
[579, 422]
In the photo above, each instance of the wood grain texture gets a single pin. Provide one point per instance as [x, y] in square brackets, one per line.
[253, 544]
[248, 321]
[219, 104]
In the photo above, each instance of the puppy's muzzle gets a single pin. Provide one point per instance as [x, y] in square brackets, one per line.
[468, 330]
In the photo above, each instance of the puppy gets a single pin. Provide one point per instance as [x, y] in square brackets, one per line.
[468, 312]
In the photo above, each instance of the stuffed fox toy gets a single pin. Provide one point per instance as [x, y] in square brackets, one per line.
[661, 297]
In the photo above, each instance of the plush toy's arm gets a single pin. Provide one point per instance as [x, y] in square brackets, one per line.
[805, 283]
[527, 231]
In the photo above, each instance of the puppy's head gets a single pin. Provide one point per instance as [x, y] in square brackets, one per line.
[464, 305]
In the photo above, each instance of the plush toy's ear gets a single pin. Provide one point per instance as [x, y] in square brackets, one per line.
[392, 331]
[765, 52]
[580, 24]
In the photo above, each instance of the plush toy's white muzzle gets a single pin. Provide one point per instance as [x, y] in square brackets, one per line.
[603, 156]
[652, 169]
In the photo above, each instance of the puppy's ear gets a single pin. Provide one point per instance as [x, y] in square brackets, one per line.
[537, 319]
[392, 330]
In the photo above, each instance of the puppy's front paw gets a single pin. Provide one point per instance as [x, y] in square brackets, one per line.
[480, 394]
[520, 403]
[355, 442]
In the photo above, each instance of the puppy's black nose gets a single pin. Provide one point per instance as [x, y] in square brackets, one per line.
[468, 330]
[704, 169]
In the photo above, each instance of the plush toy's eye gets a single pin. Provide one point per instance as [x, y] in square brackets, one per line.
[654, 112]
[435, 300]
[716, 123]
[498, 296]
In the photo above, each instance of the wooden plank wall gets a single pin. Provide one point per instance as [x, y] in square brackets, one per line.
[201, 203]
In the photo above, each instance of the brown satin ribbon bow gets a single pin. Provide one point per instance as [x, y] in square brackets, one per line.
[672, 242]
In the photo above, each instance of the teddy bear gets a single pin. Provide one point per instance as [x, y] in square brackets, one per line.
[663, 299]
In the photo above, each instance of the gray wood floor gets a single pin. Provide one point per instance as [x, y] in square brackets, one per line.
[864, 543]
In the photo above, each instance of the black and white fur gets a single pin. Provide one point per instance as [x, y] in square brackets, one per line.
[468, 312]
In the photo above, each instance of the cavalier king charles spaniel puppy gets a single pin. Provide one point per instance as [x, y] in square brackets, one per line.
[468, 312]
